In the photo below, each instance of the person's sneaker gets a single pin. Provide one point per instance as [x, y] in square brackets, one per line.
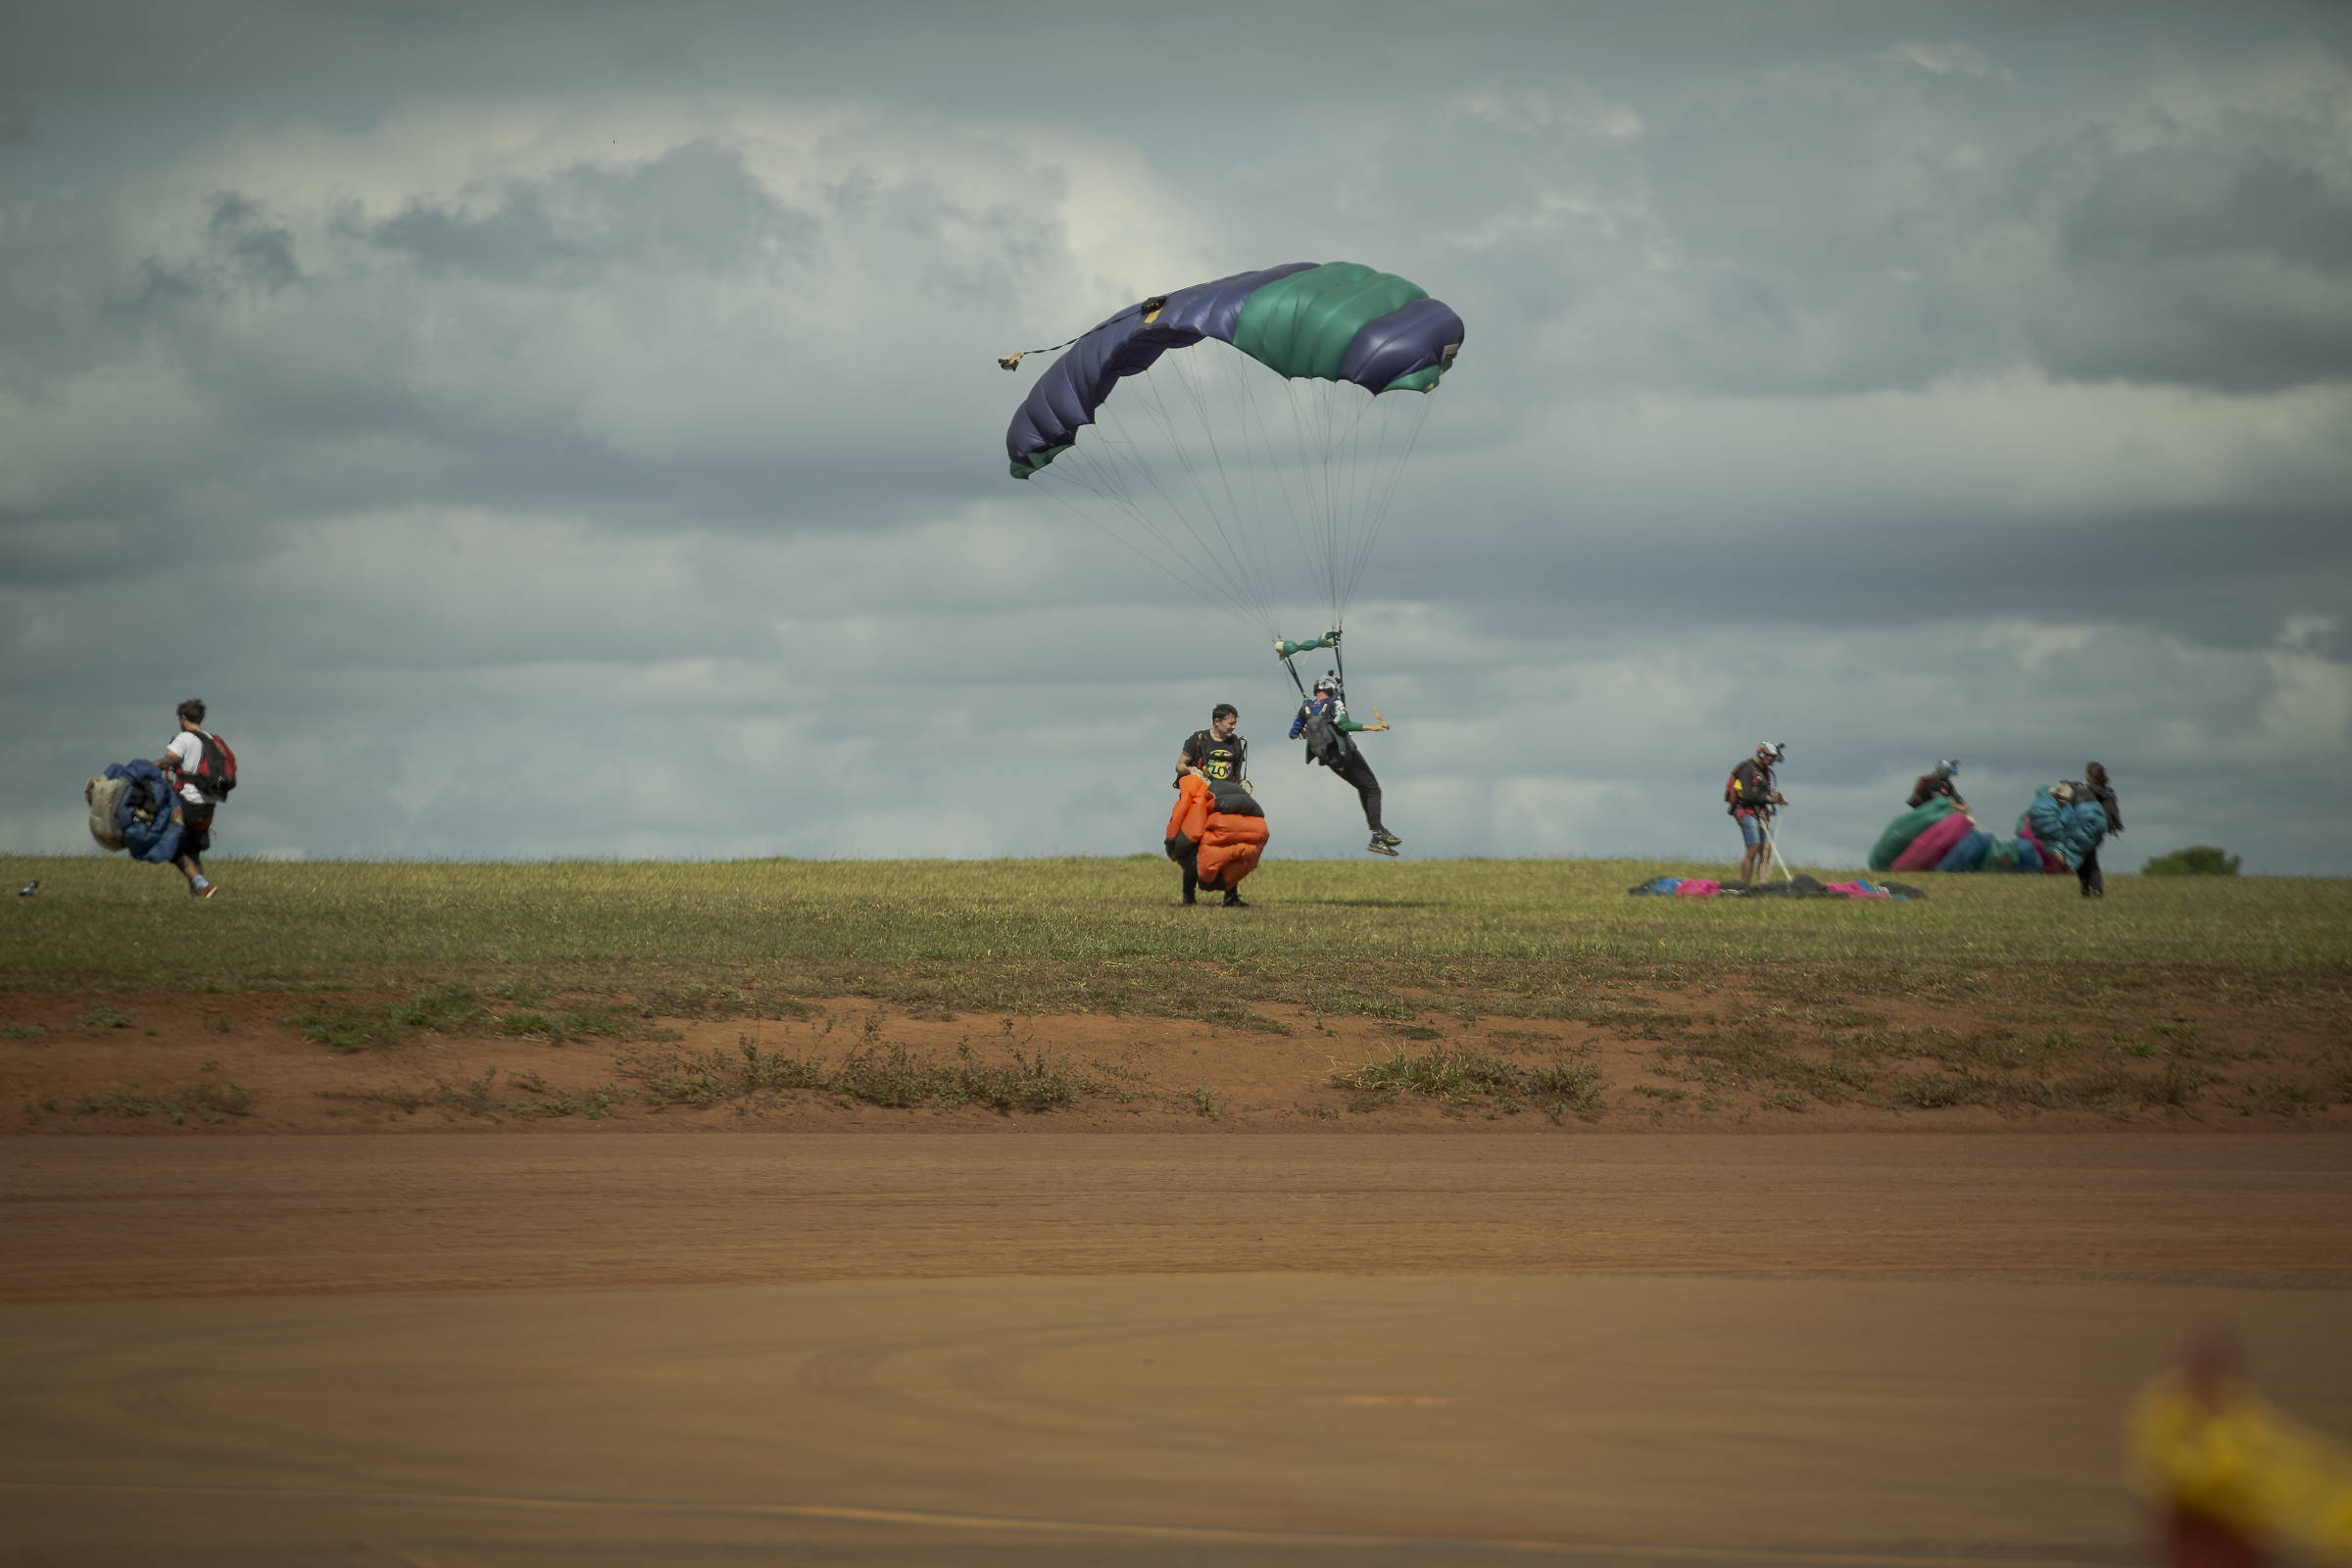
[203, 890]
[1233, 901]
[1380, 845]
[1388, 838]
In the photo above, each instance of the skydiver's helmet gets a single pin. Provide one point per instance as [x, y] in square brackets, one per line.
[1947, 767]
[1328, 686]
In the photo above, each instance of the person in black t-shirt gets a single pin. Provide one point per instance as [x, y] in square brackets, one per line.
[1216, 752]
[1212, 756]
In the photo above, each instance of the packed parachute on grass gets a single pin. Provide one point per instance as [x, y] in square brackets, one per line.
[1217, 829]
[2053, 834]
[1799, 886]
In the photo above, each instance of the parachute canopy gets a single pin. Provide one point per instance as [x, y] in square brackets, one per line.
[1339, 322]
[1231, 416]
[2052, 834]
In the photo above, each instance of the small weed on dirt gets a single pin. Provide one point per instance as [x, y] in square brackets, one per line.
[347, 1030]
[1454, 1076]
[558, 1027]
[205, 1101]
[885, 1073]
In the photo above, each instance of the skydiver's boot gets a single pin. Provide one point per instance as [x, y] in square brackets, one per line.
[1191, 885]
[1234, 899]
[1381, 846]
[1387, 837]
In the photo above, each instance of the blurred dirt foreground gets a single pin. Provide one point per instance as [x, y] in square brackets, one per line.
[947, 1347]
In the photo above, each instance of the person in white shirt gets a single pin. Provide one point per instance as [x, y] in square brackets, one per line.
[179, 760]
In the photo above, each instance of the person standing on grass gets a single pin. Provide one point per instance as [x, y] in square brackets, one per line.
[1215, 755]
[1750, 797]
[2094, 779]
[183, 762]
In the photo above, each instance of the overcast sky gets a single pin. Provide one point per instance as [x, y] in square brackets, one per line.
[574, 430]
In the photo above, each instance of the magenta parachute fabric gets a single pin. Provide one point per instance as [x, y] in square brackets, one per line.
[1926, 851]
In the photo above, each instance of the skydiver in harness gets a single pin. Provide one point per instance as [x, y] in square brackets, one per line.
[1322, 721]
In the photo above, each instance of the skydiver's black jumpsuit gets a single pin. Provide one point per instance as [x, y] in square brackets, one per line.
[1351, 764]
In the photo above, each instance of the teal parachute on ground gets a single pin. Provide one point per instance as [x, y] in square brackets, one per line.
[2053, 834]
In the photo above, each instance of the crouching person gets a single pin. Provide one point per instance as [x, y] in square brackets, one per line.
[1215, 835]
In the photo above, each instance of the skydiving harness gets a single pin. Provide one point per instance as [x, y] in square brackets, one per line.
[1328, 746]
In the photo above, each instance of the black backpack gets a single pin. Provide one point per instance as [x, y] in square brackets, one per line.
[215, 769]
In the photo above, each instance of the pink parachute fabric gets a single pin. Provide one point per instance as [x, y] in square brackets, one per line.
[1928, 849]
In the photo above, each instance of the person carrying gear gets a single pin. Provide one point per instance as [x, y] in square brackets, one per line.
[1750, 797]
[1323, 722]
[204, 772]
[1216, 761]
[1938, 783]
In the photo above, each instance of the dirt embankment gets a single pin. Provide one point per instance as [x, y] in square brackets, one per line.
[1714, 1058]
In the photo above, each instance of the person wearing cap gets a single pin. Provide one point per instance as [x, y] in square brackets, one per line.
[1938, 783]
[1322, 719]
[1750, 797]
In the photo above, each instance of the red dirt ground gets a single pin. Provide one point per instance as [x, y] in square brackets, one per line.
[74, 1076]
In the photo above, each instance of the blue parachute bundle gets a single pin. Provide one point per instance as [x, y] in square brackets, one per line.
[2069, 828]
[1967, 854]
[148, 815]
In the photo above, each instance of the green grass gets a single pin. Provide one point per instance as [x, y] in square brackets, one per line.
[1532, 939]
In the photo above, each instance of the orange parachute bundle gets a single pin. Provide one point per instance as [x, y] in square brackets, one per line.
[1222, 832]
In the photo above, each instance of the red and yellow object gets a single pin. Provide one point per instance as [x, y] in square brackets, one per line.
[2212, 1453]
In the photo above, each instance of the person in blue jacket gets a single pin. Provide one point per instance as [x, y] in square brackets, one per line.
[1323, 722]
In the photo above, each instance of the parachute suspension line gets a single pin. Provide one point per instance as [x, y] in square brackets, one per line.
[1193, 580]
[1101, 466]
[1243, 547]
[1387, 477]
[1249, 597]
[1294, 680]
[1241, 371]
[1246, 544]
[1314, 477]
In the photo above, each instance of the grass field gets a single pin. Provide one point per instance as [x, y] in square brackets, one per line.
[2010, 991]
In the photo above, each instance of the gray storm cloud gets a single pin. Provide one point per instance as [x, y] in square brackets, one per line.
[1832, 374]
